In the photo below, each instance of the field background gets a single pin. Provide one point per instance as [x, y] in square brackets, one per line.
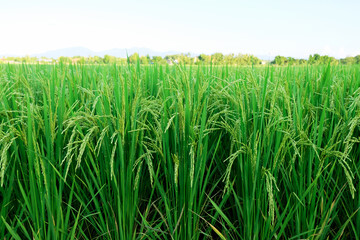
[175, 152]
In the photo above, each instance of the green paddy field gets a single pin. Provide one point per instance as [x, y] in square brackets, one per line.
[179, 152]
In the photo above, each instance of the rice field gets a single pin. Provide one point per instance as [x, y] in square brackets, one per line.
[179, 152]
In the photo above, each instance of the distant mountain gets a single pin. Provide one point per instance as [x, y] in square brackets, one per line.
[67, 52]
[116, 52]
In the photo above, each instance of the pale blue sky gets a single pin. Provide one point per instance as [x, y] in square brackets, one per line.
[290, 28]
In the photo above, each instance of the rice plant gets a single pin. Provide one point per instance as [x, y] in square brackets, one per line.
[179, 152]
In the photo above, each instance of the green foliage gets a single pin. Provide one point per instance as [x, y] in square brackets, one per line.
[109, 59]
[280, 60]
[217, 58]
[206, 59]
[65, 60]
[134, 58]
[230, 59]
[177, 152]
[158, 60]
[187, 59]
[351, 60]
[315, 59]
[145, 59]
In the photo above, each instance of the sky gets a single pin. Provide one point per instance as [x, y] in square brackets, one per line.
[259, 27]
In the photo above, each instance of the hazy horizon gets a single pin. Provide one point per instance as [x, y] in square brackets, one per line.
[117, 52]
[295, 29]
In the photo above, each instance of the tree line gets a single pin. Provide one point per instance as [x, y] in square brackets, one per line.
[187, 59]
[315, 59]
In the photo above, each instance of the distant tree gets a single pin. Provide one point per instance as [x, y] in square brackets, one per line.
[82, 60]
[314, 59]
[134, 58]
[255, 60]
[121, 61]
[229, 59]
[97, 59]
[357, 59]
[291, 61]
[317, 57]
[302, 61]
[171, 57]
[185, 58]
[240, 60]
[279, 60]
[144, 60]
[351, 60]
[158, 59]
[348, 60]
[203, 58]
[217, 58]
[106, 59]
[26, 59]
[179, 58]
[311, 59]
[64, 59]
[109, 59]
